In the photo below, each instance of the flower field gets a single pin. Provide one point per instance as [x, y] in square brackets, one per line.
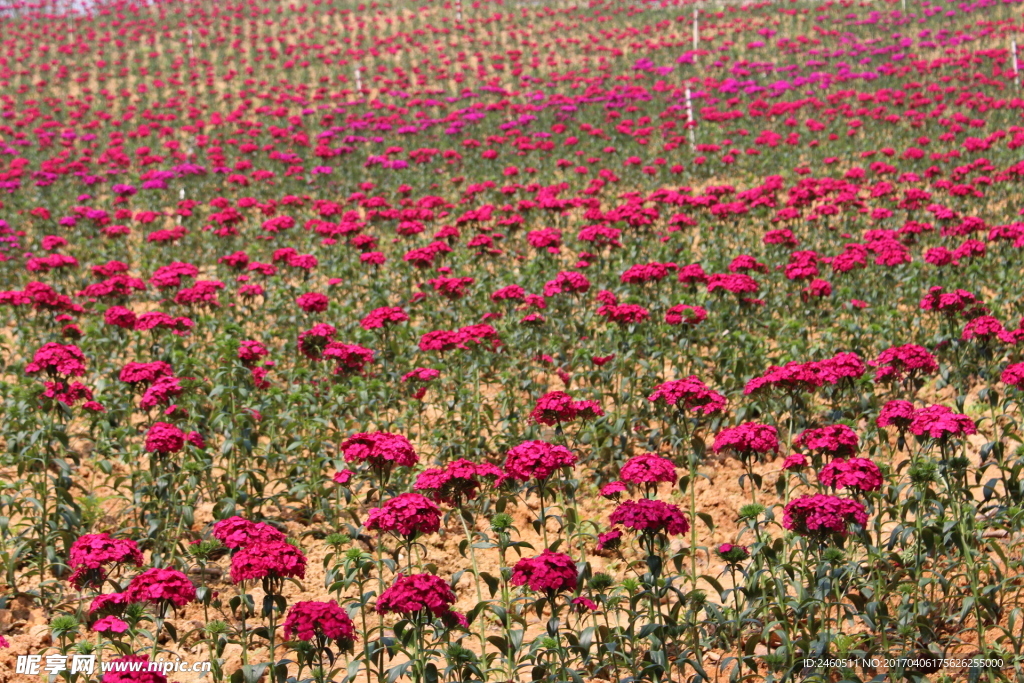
[512, 341]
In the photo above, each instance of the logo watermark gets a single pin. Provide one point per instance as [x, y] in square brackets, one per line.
[35, 665]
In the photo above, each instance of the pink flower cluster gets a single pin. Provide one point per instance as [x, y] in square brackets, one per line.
[66, 360]
[161, 586]
[308, 619]
[408, 514]
[689, 394]
[417, 593]
[648, 468]
[857, 474]
[747, 439]
[559, 407]
[270, 559]
[899, 362]
[90, 553]
[650, 517]
[380, 450]
[837, 441]
[549, 572]
[457, 482]
[237, 532]
[822, 515]
[537, 460]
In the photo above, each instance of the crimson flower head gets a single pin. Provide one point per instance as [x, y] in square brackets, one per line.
[417, 593]
[794, 462]
[326, 621]
[161, 585]
[57, 359]
[110, 624]
[381, 450]
[548, 572]
[613, 490]
[145, 373]
[271, 559]
[250, 352]
[690, 394]
[896, 413]
[164, 438]
[537, 460]
[747, 439]
[648, 468]
[837, 441]
[732, 554]
[856, 474]
[90, 553]
[652, 517]
[792, 377]
[409, 515]
[312, 302]
[458, 481]
[236, 532]
[822, 516]
[684, 314]
[313, 341]
[567, 282]
[609, 540]
[624, 314]
[907, 361]
[1013, 375]
[940, 422]
[553, 408]
[382, 317]
[351, 358]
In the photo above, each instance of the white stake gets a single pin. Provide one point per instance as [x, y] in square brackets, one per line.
[696, 32]
[689, 119]
[359, 79]
[458, 11]
[1016, 66]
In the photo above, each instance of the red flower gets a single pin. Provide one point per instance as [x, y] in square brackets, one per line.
[457, 482]
[648, 468]
[57, 359]
[859, 474]
[236, 532]
[164, 438]
[351, 358]
[312, 302]
[1013, 375]
[381, 450]
[161, 585]
[746, 439]
[908, 360]
[409, 515]
[689, 394]
[307, 620]
[684, 313]
[272, 559]
[548, 572]
[312, 341]
[940, 422]
[415, 593]
[838, 441]
[650, 517]
[380, 317]
[896, 413]
[91, 552]
[537, 460]
[821, 515]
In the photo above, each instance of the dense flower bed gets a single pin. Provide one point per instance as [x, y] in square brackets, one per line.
[406, 341]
